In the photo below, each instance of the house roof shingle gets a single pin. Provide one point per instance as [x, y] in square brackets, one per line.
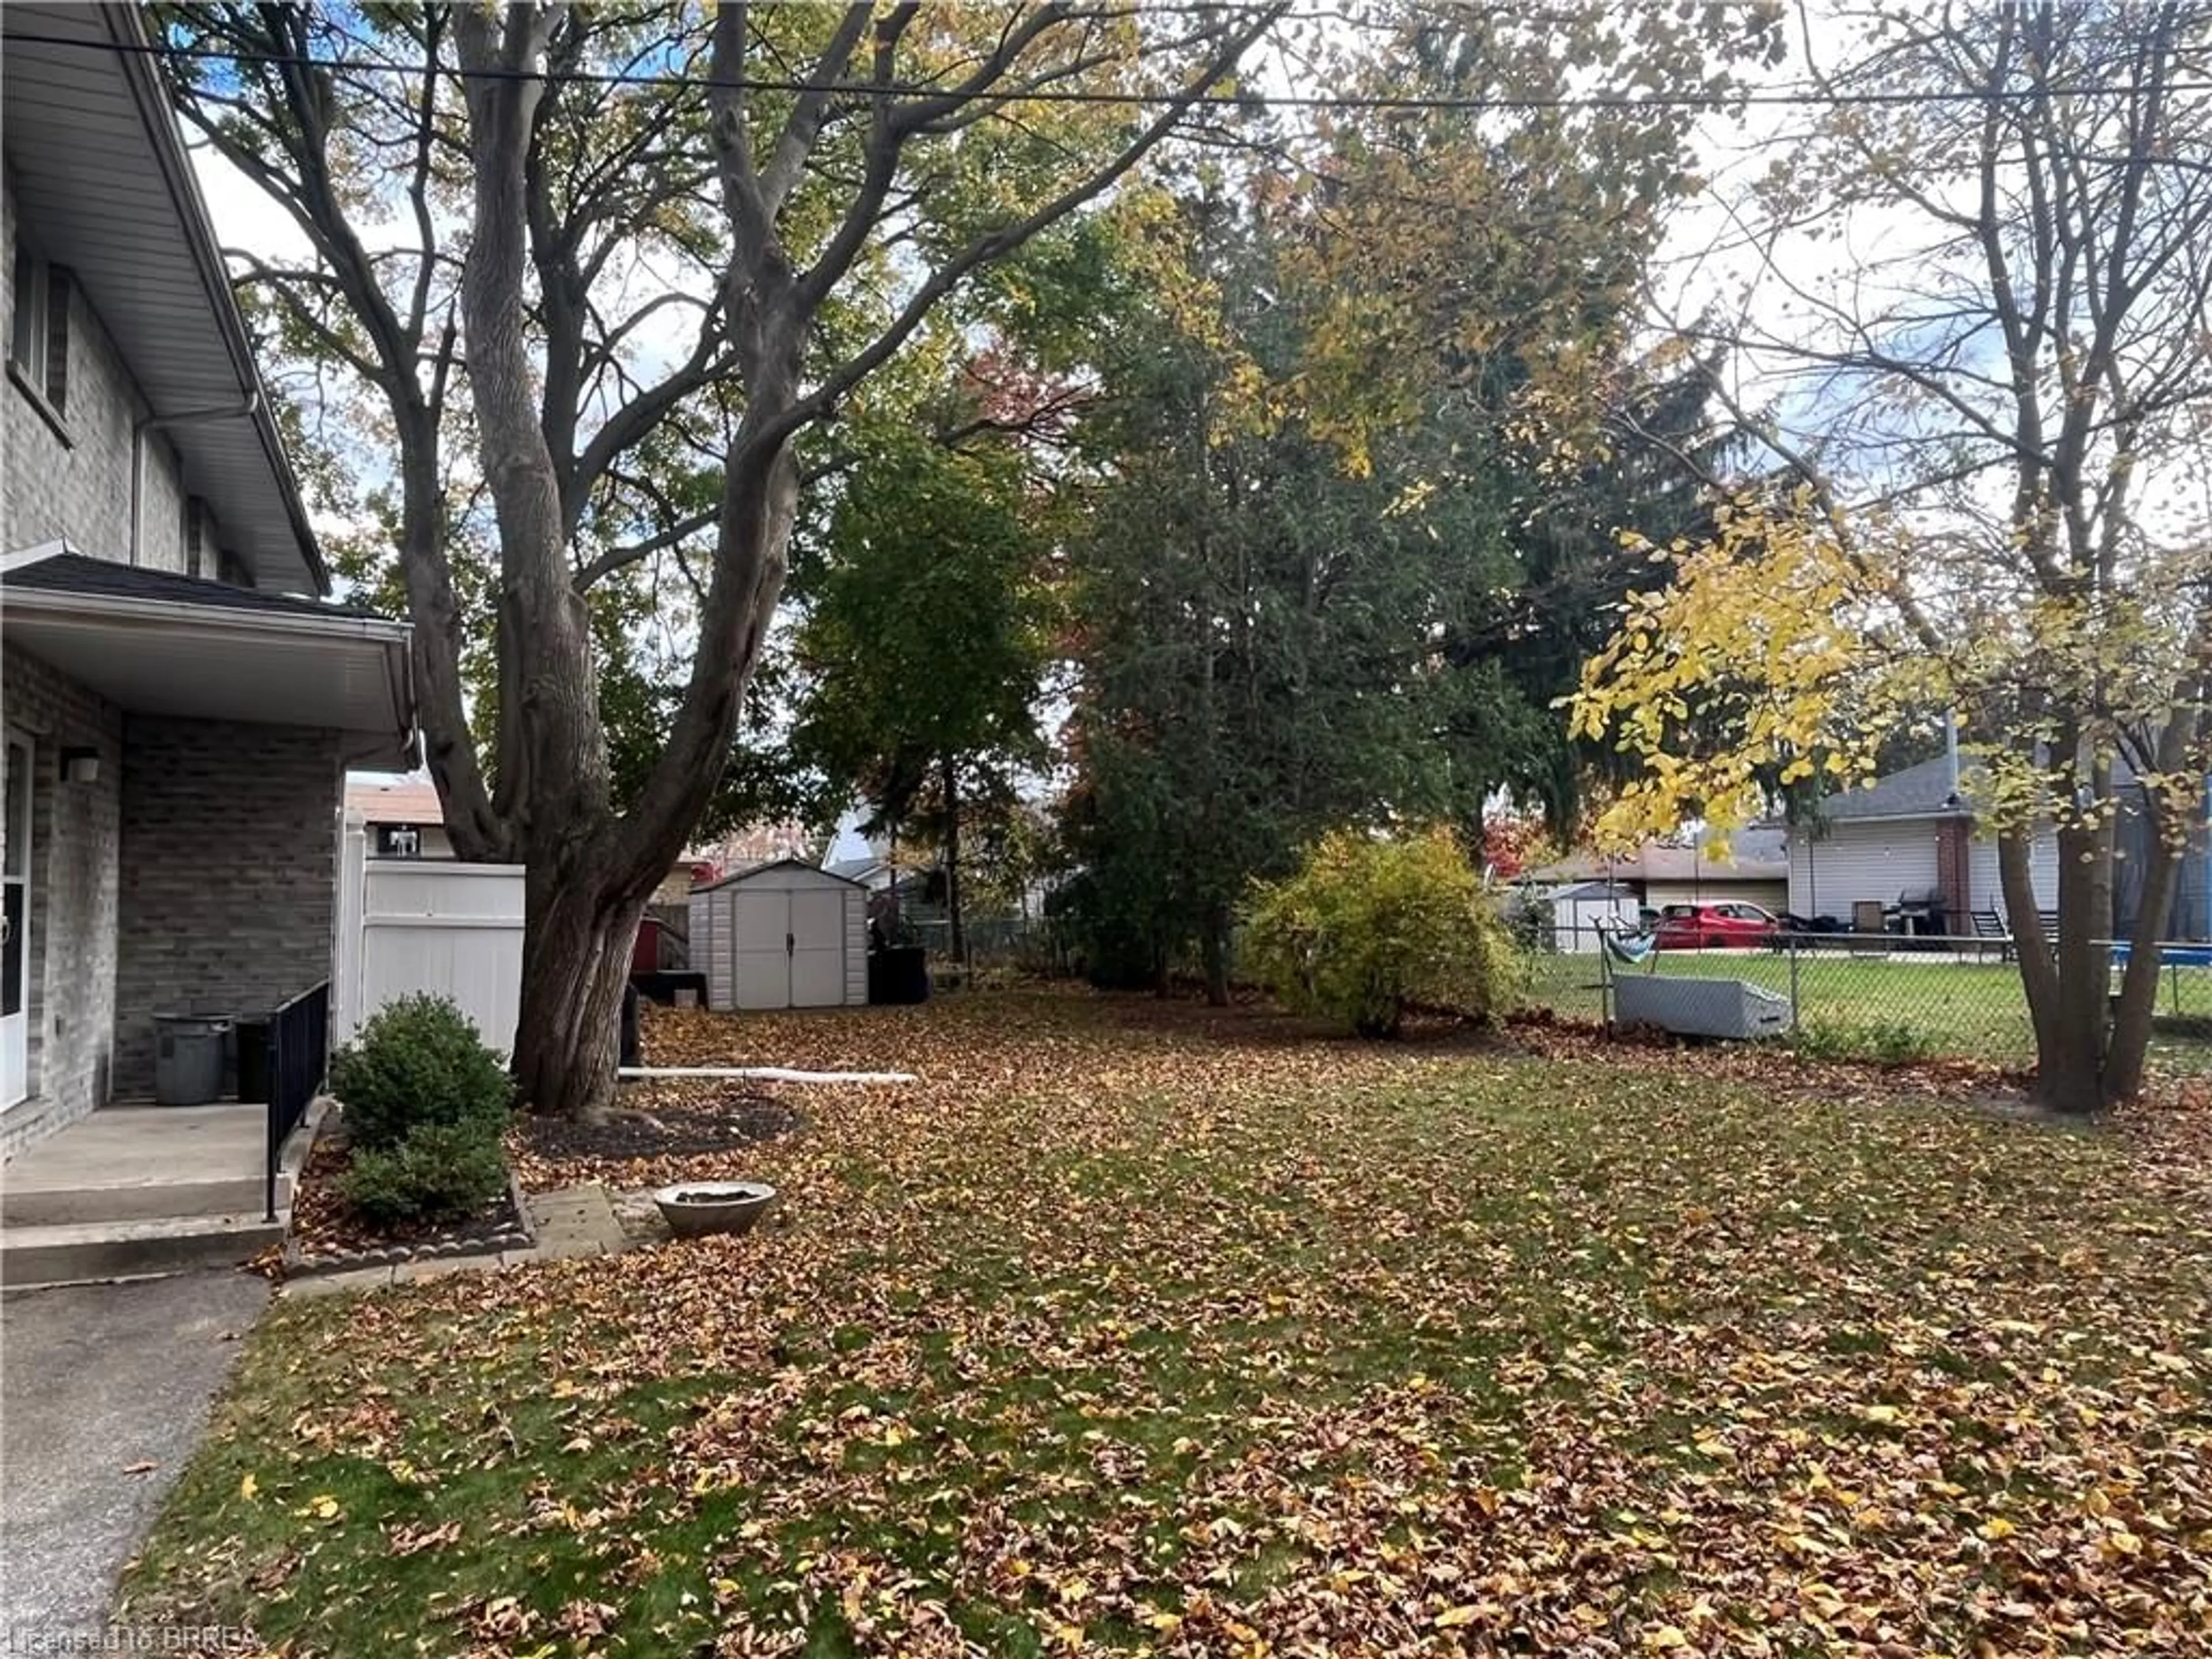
[1926, 791]
[79, 573]
[1757, 852]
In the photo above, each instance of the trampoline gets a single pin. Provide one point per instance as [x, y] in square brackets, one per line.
[2173, 956]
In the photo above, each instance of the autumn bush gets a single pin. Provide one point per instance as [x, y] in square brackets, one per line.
[1370, 927]
[418, 1060]
[440, 1171]
[426, 1106]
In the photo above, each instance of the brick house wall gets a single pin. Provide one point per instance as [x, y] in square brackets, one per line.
[1954, 872]
[230, 873]
[75, 834]
[77, 483]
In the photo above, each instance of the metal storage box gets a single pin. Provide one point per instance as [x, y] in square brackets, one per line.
[1700, 1007]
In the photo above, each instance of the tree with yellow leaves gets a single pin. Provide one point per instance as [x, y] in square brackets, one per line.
[1988, 491]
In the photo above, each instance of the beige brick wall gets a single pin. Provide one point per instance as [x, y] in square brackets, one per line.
[75, 834]
[229, 874]
[79, 487]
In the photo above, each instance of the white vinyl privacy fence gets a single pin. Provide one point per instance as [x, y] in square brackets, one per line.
[446, 929]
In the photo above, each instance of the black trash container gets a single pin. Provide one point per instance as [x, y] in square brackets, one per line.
[188, 1058]
[899, 974]
[255, 1078]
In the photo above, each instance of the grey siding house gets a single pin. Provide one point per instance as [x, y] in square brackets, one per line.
[179, 698]
[1915, 832]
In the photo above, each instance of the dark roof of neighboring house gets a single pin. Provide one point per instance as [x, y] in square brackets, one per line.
[76, 573]
[1594, 890]
[1757, 852]
[1926, 791]
[855, 869]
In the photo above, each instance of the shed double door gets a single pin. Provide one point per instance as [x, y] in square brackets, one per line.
[790, 948]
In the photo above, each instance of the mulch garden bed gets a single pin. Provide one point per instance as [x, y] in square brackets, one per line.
[328, 1236]
[662, 1119]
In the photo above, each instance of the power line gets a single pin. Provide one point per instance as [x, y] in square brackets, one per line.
[1229, 100]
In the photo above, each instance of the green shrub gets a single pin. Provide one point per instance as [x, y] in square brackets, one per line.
[439, 1172]
[1887, 1042]
[1368, 928]
[417, 1062]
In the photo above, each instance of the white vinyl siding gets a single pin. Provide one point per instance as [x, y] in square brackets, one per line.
[1988, 890]
[1884, 861]
[1854, 863]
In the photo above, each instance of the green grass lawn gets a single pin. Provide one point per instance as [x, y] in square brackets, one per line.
[1965, 1009]
[1131, 1328]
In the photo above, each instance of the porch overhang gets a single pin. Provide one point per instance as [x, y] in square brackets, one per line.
[297, 665]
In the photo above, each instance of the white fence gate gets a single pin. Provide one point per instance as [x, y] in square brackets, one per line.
[450, 930]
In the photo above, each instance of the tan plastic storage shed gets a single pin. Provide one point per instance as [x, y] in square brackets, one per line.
[781, 935]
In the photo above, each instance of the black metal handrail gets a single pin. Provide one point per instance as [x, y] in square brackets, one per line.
[299, 1063]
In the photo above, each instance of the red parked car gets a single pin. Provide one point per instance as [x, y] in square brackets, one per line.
[1725, 927]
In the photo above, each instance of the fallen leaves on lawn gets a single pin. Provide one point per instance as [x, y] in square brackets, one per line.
[1134, 1328]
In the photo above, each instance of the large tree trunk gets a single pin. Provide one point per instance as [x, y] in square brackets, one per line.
[2070, 1027]
[2039, 973]
[576, 963]
[581, 901]
[2130, 1043]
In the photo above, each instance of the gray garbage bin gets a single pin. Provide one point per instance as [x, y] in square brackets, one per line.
[188, 1058]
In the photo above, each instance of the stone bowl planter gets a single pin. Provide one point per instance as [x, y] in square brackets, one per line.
[693, 1208]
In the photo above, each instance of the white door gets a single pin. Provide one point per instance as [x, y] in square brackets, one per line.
[818, 948]
[761, 924]
[15, 925]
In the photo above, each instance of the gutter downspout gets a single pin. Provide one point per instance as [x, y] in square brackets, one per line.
[245, 410]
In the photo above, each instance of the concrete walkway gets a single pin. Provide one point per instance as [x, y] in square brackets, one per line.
[95, 1380]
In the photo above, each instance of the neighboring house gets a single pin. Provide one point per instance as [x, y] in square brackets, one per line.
[1908, 838]
[179, 703]
[1754, 869]
[1912, 837]
[754, 845]
[873, 873]
[399, 817]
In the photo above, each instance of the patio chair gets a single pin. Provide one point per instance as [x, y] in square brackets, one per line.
[1870, 932]
[1989, 929]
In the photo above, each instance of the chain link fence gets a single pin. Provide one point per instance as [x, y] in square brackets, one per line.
[1877, 996]
[1040, 945]
[1883, 996]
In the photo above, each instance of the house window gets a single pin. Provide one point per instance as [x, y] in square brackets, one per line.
[38, 351]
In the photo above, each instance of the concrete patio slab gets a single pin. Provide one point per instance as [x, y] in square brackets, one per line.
[98, 1381]
[575, 1221]
[125, 1162]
